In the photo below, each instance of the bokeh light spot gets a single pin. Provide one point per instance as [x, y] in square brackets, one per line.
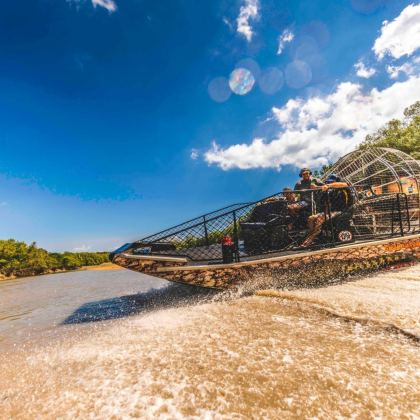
[271, 80]
[305, 47]
[251, 65]
[219, 90]
[318, 31]
[367, 7]
[241, 81]
[298, 74]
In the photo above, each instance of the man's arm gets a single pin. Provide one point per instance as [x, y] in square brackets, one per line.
[338, 185]
[326, 187]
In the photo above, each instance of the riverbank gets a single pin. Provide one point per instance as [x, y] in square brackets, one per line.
[18, 259]
[101, 267]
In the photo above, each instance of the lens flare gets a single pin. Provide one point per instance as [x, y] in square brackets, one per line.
[367, 7]
[318, 31]
[251, 65]
[218, 89]
[298, 74]
[241, 81]
[305, 47]
[271, 80]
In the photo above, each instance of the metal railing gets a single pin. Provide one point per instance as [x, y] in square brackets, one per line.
[281, 222]
[191, 222]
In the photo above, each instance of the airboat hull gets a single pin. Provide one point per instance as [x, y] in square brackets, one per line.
[371, 222]
[299, 269]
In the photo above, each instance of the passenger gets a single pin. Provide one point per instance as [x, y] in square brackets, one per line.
[293, 204]
[307, 182]
[339, 200]
[297, 209]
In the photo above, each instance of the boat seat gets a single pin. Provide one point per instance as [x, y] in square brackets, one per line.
[266, 227]
[266, 212]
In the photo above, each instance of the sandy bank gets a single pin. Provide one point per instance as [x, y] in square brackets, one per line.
[101, 267]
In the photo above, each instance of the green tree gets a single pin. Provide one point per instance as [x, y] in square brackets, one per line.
[19, 259]
[403, 134]
[319, 173]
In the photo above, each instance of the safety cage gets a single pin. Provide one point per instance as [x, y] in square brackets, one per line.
[381, 201]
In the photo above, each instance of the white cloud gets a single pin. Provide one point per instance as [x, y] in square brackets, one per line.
[194, 154]
[228, 23]
[82, 248]
[320, 129]
[401, 36]
[109, 5]
[249, 11]
[363, 71]
[409, 68]
[284, 38]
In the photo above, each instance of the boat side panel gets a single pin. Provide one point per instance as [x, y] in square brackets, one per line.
[296, 270]
[144, 265]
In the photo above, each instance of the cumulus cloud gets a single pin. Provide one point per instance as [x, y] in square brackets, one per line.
[400, 37]
[318, 130]
[363, 71]
[408, 68]
[286, 37]
[247, 12]
[82, 248]
[194, 154]
[228, 23]
[109, 5]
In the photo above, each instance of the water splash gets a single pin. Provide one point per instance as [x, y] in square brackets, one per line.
[229, 357]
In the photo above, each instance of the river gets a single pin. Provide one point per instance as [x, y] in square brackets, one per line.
[117, 344]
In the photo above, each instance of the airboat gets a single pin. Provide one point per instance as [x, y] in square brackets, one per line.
[259, 240]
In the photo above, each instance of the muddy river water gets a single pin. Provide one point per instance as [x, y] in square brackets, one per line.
[117, 344]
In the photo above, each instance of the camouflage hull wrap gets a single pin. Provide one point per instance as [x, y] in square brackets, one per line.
[147, 265]
[300, 269]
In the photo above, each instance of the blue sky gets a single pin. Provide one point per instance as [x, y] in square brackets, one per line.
[117, 118]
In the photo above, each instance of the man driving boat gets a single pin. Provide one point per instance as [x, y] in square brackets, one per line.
[306, 183]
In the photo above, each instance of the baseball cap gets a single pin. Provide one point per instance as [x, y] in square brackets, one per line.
[332, 178]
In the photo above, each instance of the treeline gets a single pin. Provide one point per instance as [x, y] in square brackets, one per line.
[397, 134]
[19, 259]
[402, 134]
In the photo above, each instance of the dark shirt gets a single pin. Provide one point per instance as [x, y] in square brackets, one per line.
[339, 199]
[306, 185]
